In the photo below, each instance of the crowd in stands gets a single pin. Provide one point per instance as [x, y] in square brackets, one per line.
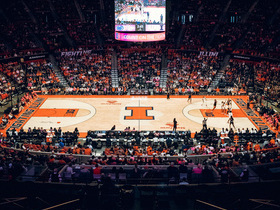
[6, 88]
[226, 36]
[12, 163]
[47, 28]
[16, 32]
[90, 9]
[135, 143]
[20, 31]
[263, 30]
[82, 33]
[239, 8]
[15, 72]
[17, 40]
[239, 75]
[14, 160]
[139, 68]
[32, 76]
[54, 20]
[19, 37]
[87, 74]
[199, 27]
[263, 76]
[268, 113]
[66, 11]
[270, 116]
[188, 73]
[211, 10]
[39, 135]
[257, 39]
[107, 28]
[17, 77]
[12, 112]
[196, 35]
[267, 77]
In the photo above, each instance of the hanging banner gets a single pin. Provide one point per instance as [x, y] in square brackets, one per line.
[208, 54]
[75, 53]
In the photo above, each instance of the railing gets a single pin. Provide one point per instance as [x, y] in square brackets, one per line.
[84, 158]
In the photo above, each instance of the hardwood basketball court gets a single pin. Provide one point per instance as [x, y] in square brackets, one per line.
[139, 112]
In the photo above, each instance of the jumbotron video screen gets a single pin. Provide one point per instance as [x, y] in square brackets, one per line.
[142, 20]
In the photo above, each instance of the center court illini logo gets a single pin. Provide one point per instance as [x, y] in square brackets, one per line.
[139, 113]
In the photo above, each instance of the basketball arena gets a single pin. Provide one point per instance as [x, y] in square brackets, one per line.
[140, 104]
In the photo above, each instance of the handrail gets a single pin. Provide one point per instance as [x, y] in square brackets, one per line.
[80, 158]
[149, 156]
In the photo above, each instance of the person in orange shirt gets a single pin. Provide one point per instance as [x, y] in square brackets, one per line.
[257, 147]
[218, 90]
[150, 150]
[116, 150]
[51, 160]
[107, 151]
[236, 139]
[87, 151]
[78, 150]
[62, 162]
[203, 147]
[164, 151]
[249, 146]
[183, 90]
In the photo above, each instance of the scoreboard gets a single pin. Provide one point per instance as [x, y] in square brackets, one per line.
[140, 16]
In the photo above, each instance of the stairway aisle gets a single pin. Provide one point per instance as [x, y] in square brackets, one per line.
[57, 71]
[114, 72]
[163, 72]
[215, 83]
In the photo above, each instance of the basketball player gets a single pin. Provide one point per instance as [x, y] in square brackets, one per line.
[174, 124]
[229, 113]
[223, 107]
[190, 98]
[204, 124]
[248, 104]
[229, 103]
[214, 106]
[204, 101]
[231, 122]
